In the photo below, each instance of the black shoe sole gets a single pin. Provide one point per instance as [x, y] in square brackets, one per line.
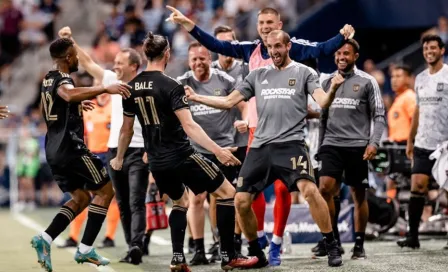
[407, 245]
[135, 256]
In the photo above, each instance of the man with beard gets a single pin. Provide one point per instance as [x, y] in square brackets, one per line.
[217, 124]
[255, 53]
[131, 182]
[429, 129]
[75, 169]
[279, 150]
[347, 143]
[163, 111]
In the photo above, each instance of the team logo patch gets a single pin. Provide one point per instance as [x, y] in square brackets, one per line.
[184, 99]
[104, 172]
[239, 183]
[396, 115]
[440, 86]
[292, 82]
[217, 92]
[356, 87]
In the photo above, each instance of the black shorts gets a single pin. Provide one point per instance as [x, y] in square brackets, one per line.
[287, 161]
[198, 173]
[85, 172]
[336, 160]
[421, 162]
[228, 171]
[240, 154]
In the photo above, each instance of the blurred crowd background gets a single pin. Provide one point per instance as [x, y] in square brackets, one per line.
[388, 32]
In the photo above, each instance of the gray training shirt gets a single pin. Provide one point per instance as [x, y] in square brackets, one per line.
[217, 123]
[238, 71]
[281, 97]
[348, 120]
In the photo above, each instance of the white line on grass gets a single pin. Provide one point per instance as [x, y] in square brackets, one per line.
[30, 223]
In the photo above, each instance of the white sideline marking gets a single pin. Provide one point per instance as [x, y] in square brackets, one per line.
[30, 223]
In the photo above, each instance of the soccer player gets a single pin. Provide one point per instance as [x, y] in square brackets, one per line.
[255, 53]
[347, 141]
[75, 169]
[238, 70]
[278, 150]
[163, 111]
[217, 124]
[131, 182]
[429, 129]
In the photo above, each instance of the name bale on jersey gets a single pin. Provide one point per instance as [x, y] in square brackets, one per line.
[345, 103]
[143, 85]
[200, 109]
[277, 93]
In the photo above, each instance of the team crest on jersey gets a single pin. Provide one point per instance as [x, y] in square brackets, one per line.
[217, 92]
[292, 82]
[440, 86]
[184, 99]
[356, 87]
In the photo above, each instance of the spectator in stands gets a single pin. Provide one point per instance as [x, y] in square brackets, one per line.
[114, 24]
[12, 19]
[33, 25]
[50, 8]
[134, 33]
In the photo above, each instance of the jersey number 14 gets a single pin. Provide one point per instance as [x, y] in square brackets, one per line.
[143, 103]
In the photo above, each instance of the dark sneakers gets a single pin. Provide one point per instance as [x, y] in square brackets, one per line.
[409, 242]
[178, 264]
[358, 253]
[199, 258]
[106, 243]
[334, 254]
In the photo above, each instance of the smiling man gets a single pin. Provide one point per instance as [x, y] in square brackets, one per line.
[347, 143]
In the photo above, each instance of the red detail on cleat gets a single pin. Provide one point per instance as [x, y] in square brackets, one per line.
[240, 262]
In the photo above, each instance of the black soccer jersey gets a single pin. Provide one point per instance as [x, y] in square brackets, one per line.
[64, 139]
[154, 99]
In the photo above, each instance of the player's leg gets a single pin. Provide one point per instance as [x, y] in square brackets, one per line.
[42, 242]
[214, 249]
[112, 220]
[196, 220]
[170, 182]
[75, 230]
[138, 184]
[361, 218]
[421, 172]
[90, 169]
[291, 161]
[206, 176]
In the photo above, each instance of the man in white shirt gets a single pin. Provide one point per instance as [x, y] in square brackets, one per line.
[131, 182]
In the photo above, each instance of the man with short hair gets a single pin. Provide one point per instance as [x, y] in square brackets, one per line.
[279, 150]
[429, 129]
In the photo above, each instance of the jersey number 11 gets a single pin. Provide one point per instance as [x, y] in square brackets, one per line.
[142, 103]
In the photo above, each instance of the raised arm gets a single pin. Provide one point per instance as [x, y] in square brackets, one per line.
[219, 102]
[85, 60]
[303, 49]
[324, 99]
[241, 50]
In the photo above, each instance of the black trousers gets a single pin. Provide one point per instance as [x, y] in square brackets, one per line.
[130, 186]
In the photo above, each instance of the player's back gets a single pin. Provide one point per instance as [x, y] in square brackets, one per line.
[154, 99]
[64, 120]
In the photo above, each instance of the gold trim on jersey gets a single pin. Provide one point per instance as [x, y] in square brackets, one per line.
[48, 106]
[152, 105]
[210, 172]
[92, 169]
[64, 74]
[141, 105]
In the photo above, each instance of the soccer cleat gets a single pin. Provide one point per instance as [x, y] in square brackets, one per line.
[125, 258]
[409, 242]
[274, 254]
[70, 242]
[215, 251]
[43, 250]
[358, 253]
[91, 257]
[135, 255]
[191, 248]
[107, 242]
[239, 261]
[178, 264]
[199, 258]
[263, 242]
[334, 254]
[319, 250]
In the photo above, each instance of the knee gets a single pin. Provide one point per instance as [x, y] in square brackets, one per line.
[243, 202]
[182, 202]
[309, 190]
[106, 192]
[419, 185]
[81, 199]
[359, 195]
[197, 201]
[327, 187]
